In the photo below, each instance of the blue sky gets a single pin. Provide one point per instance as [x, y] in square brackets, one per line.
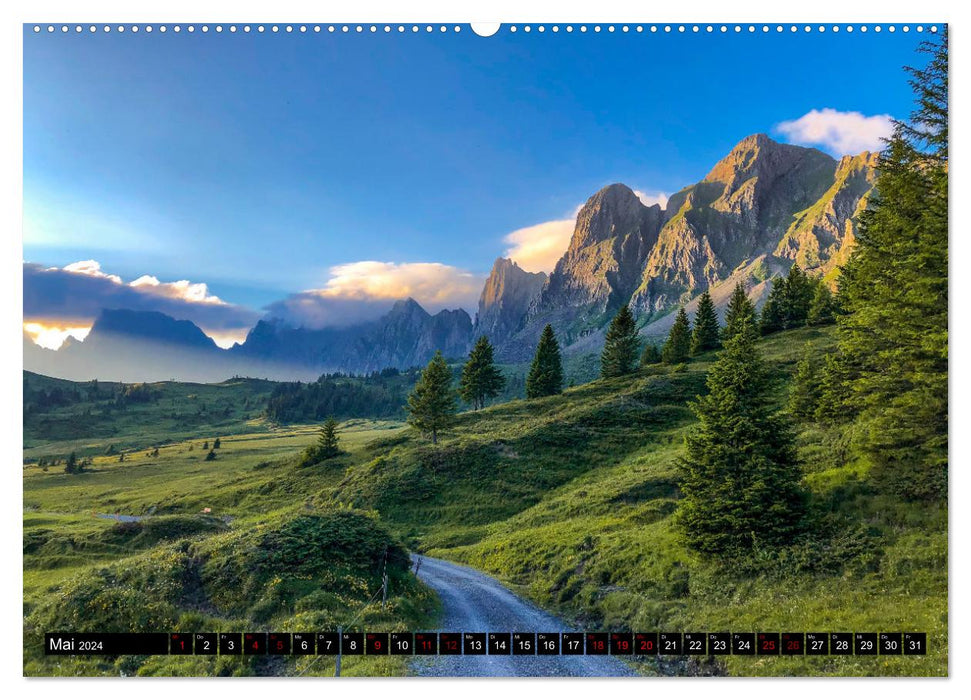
[257, 163]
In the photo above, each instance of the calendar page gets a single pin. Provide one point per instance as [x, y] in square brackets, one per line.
[536, 349]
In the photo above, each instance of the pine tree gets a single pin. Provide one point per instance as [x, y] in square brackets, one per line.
[740, 312]
[678, 345]
[805, 391]
[545, 376]
[831, 407]
[706, 334]
[621, 346]
[894, 334]
[773, 317]
[328, 440]
[739, 477]
[72, 465]
[481, 379]
[431, 404]
[822, 311]
[651, 355]
[798, 297]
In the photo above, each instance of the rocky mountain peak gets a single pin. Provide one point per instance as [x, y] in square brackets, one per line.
[613, 211]
[760, 156]
[149, 326]
[506, 297]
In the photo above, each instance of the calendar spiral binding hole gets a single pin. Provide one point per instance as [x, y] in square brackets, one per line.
[511, 29]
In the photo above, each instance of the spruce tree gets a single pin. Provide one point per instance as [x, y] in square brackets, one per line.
[894, 332]
[739, 477]
[740, 311]
[481, 379]
[678, 345]
[545, 376]
[328, 440]
[822, 311]
[621, 346]
[805, 391]
[651, 355]
[798, 297]
[831, 407]
[431, 404]
[706, 335]
[72, 465]
[773, 317]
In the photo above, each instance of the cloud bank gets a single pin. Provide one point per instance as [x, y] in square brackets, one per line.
[365, 290]
[841, 133]
[62, 302]
[537, 248]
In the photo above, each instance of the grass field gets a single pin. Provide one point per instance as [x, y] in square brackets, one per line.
[182, 569]
[568, 499]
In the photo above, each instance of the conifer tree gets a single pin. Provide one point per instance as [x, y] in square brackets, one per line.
[740, 311]
[481, 379]
[805, 390]
[328, 440]
[773, 317]
[739, 477]
[621, 346]
[545, 376]
[822, 311]
[678, 345]
[72, 465]
[651, 355]
[832, 407]
[431, 404]
[798, 297]
[894, 334]
[706, 335]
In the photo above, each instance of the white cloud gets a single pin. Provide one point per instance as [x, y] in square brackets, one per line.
[196, 293]
[92, 268]
[364, 290]
[842, 133]
[537, 248]
[649, 200]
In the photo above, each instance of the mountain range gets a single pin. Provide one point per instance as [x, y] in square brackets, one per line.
[761, 208]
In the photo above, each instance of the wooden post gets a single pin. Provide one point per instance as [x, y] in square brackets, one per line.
[340, 644]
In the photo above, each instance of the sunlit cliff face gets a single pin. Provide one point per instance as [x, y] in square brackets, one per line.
[52, 336]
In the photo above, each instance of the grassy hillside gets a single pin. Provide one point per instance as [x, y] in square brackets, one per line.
[263, 558]
[62, 416]
[570, 499]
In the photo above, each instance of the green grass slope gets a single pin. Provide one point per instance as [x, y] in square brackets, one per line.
[570, 500]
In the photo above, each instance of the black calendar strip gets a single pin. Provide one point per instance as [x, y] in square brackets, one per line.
[624, 644]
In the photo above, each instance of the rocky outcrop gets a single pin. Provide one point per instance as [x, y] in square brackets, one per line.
[506, 298]
[614, 235]
[821, 237]
[739, 211]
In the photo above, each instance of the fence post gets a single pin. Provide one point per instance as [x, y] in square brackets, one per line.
[340, 645]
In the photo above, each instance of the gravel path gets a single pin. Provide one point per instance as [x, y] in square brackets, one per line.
[474, 602]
